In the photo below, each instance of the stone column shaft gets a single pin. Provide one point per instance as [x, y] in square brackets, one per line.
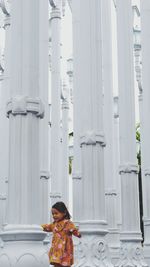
[65, 154]
[109, 153]
[55, 108]
[117, 161]
[92, 220]
[145, 42]
[77, 124]
[23, 237]
[130, 232]
[43, 83]
[4, 133]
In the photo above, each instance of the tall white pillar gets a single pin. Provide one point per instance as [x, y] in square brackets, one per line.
[145, 42]
[117, 161]
[65, 144]
[5, 93]
[23, 237]
[131, 249]
[43, 83]
[56, 181]
[71, 131]
[93, 249]
[2, 178]
[77, 123]
[109, 152]
[70, 75]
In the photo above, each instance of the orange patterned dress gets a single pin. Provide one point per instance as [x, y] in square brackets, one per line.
[61, 251]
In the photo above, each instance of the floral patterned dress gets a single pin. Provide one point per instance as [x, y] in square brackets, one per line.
[61, 251]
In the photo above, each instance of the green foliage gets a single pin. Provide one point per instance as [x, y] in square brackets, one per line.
[138, 139]
[70, 165]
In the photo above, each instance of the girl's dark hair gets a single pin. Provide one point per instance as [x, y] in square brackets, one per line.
[61, 207]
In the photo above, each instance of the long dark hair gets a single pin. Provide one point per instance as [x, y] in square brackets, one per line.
[61, 207]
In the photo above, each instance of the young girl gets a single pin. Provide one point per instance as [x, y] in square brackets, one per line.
[61, 251]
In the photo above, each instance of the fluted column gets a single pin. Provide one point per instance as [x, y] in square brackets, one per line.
[70, 75]
[23, 237]
[5, 93]
[2, 178]
[131, 249]
[56, 181]
[109, 152]
[65, 154]
[93, 247]
[117, 161]
[77, 123]
[145, 42]
[43, 83]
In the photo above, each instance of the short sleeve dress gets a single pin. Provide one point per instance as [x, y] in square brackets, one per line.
[61, 251]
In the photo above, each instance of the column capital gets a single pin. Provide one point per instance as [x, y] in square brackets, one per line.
[7, 21]
[77, 176]
[3, 197]
[110, 192]
[44, 175]
[91, 138]
[21, 105]
[55, 195]
[5, 6]
[55, 13]
[128, 168]
[147, 172]
[65, 104]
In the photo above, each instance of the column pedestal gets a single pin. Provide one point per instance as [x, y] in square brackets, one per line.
[22, 246]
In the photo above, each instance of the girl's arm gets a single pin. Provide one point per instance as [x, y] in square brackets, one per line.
[74, 230]
[76, 233]
[47, 227]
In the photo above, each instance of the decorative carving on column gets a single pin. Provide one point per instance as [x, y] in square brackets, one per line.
[22, 105]
[92, 251]
[129, 256]
[6, 6]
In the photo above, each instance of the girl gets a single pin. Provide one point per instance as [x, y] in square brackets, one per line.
[61, 251]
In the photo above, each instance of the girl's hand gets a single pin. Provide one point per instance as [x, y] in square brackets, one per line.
[43, 225]
[46, 227]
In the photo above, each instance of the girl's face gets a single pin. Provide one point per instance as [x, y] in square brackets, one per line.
[57, 215]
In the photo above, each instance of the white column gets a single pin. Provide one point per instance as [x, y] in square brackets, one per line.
[23, 237]
[2, 178]
[71, 131]
[65, 144]
[145, 42]
[56, 182]
[117, 161]
[77, 123]
[131, 249]
[109, 152]
[5, 93]
[70, 75]
[87, 15]
[43, 83]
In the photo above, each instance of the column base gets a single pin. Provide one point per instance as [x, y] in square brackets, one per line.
[23, 246]
[92, 250]
[113, 240]
[131, 255]
[146, 247]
